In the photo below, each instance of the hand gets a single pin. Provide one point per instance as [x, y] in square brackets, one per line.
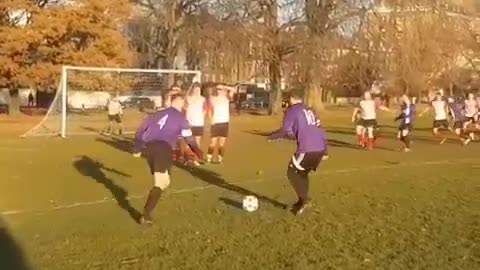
[325, 157]
[137, 155]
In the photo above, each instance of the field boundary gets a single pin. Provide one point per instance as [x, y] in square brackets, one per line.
[205, 187]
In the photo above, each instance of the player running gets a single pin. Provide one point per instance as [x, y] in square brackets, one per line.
[471, 114]
[440, 110]
[457, 111]
[115, 113]
[406, 118]
[219, 114]
[158, 134]
[368, 119]
[301, 124]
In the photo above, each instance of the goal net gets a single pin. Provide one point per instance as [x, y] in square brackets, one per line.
[81, 102]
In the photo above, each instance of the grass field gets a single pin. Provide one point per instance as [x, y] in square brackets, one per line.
[67, 204]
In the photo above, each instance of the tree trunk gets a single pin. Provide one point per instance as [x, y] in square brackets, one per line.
[275, 89]
[14, 104]
[314, 92]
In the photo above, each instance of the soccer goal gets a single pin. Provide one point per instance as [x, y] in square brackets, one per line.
[80, 104]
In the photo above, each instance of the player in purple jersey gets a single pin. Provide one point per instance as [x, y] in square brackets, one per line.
[157, 136]
[457, 113]
[301, 124]
[406, 117]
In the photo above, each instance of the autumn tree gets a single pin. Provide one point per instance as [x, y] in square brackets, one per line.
[39, 36]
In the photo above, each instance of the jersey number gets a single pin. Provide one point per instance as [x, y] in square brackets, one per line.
[161, 123]
[311, 119]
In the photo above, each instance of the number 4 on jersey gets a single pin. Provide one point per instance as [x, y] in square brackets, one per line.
[161, 123]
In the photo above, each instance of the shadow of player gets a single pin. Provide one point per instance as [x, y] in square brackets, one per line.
[11, 255]
[94, 169]
[215, 179]
[122, 144]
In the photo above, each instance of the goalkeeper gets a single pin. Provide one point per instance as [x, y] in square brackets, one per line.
[115, 113]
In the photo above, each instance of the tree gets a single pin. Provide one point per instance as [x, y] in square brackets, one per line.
[40, 36]
[160, 29]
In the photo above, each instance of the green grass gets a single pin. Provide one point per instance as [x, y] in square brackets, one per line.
[372, 210]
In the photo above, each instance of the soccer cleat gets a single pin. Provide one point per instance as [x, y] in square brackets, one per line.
[300, 209]
[209, 159]
[146, 221]
[467, 141]
[406, 150]
[443, 141]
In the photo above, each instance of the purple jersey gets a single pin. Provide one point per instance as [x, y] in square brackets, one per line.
[166, 125]
[302, 124]
[457, 110]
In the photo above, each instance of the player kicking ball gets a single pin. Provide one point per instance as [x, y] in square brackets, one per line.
[158, 136]
[406, 118]
[301, 124]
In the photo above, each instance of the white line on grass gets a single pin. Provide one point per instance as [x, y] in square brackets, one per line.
[201, 188]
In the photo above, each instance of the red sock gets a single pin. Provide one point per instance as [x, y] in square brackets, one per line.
[370, 143]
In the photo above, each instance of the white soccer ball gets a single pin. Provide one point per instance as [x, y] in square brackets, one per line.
[250, 203]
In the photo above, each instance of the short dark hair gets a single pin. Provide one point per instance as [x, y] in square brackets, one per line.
[297, 93]
[175, 96]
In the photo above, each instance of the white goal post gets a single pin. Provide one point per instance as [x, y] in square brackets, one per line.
[80, 103]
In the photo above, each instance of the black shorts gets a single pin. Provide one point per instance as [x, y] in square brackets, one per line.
[115, 118]
[440, 124]
[366, 123]
[159, 156]
[458, 124]
[219, 130]
[306, 162]
[405, 126]
[197, 131]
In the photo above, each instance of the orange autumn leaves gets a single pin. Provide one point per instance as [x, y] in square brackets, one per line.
[35, 46]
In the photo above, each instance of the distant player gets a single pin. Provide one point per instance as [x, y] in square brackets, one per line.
[301, 124]
[457, 112]
[357, 121]
[406, 117]
[196, 111]
[115, 113]
[471, 114]
[367, 109]
[440, 110]
[158, 135]
[219, 114]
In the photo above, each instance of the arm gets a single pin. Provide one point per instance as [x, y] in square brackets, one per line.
[355, 112]
[287, 128]
[138, 143]
[190, 140]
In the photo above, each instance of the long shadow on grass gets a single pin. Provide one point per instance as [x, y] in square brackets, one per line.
[216, 179]
[11, 255]
[331, 142]
[122, 144]
[94, 169]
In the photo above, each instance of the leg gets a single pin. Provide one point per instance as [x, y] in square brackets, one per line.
[161, 182]
[405, 138]
[221, 148]
[300, 184]
[370, 137]
[360, 134]
[211, 148]
[159, 158]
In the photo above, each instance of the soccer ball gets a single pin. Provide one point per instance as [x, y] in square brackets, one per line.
[250, 203]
